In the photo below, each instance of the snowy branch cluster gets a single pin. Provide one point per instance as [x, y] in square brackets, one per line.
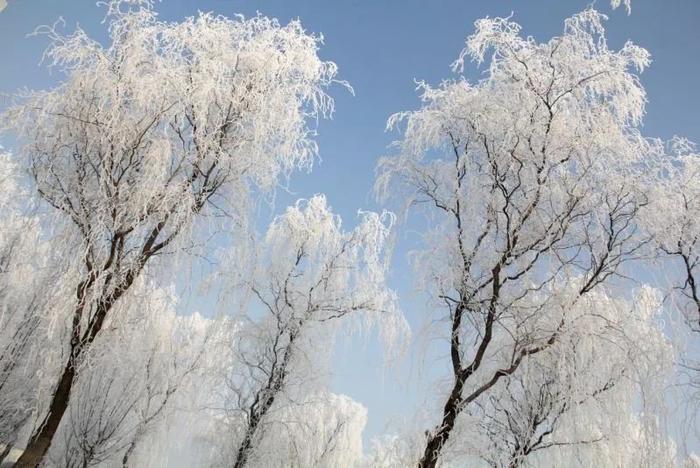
[547, 214]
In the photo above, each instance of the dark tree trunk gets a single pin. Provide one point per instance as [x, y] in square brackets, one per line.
[5, 452]
[258, 413]
[41, 441]
[245, 447]
[455, 402]
[439, 437]
[264, 401]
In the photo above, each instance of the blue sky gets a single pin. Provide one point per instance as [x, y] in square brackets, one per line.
[381, 46]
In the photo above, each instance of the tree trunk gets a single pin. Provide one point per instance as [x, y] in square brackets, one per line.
[41, 441]
[130, 450]
[437, 439]
[5, 452]
[257, 415]
[274, 386]
[244, 449]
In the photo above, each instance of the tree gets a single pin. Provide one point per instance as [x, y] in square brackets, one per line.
[181, 354]
[530, 179]
[308, 275]
[322, 430]
[128, 381]
[146, 133]
[26, 276]
[677, 199]
[575, 404]
[578, 396]
[675, 167]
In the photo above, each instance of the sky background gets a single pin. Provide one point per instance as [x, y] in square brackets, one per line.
[381, 47]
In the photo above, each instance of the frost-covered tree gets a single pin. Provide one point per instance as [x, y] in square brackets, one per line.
[672, 219]
[677, 201]
[181, 356]
[532, 182]
[144, 133]
[577, 399]
[308, 276]
[321, 430]
[25, 278]
[573, 404]
[128, 380]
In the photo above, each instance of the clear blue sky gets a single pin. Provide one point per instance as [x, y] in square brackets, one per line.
[381, 46]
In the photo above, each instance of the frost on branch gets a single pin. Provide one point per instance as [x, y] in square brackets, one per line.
[676, 195]
[322, 430]
[309, 277]
[27, 276]
[330, 273]
[577, 399]
[168, 115]
[131, 382]
[165, 123]
[673, 220]
[627, 3]
[532, 181]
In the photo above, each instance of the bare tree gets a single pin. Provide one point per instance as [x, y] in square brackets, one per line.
[528, 177]
[310, 274]
[677, 199]
[566, 396]
[322, 430]
[128, 381]
[145, 132]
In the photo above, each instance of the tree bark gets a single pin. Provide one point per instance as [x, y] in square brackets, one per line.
[246, 446]
[5, 452]
[39, 443]
[453, 406]
[438, 439]
[274, 385]
[130, 450]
